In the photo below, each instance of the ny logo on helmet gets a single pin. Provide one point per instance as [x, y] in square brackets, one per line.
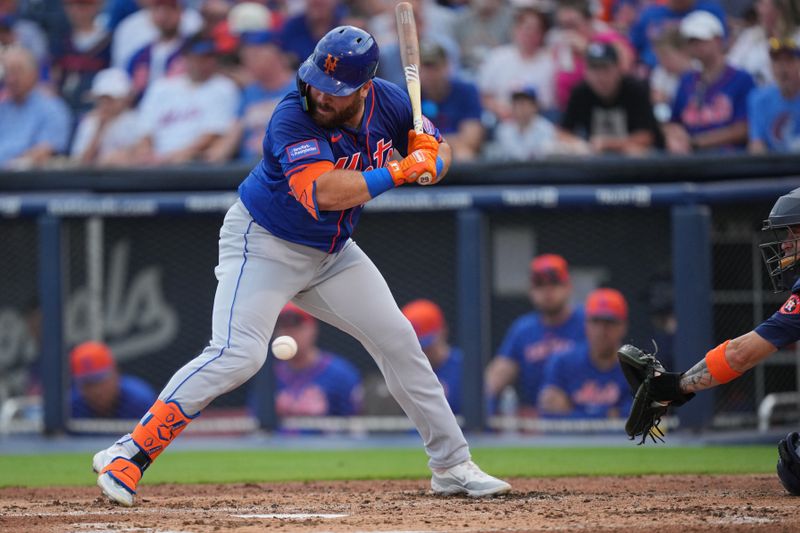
[330, 64]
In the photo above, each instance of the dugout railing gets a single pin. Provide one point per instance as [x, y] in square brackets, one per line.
[136, 269]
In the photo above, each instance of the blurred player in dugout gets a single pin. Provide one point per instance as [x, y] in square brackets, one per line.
[99, 390]
[314, 382]
[587, 381]
[555, 326]
[447, 361]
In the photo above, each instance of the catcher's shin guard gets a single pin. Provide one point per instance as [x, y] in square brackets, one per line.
[159, 427]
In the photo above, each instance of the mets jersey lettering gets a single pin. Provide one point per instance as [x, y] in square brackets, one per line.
[280, 192]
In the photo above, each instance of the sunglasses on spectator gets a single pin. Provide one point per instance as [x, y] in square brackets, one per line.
[783, 46]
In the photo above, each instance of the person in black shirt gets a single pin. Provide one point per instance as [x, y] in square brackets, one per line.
[610, 110]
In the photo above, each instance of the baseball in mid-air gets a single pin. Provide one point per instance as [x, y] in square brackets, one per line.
[284, 347]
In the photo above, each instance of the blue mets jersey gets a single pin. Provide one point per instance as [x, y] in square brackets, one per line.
[280, 192]
[593, 393]
[783, 328]
[331, 386]
[702, 108]
[530, 343]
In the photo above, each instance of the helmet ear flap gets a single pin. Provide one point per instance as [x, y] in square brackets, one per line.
[302, 88]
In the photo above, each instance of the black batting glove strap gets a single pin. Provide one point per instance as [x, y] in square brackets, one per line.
[667, 388]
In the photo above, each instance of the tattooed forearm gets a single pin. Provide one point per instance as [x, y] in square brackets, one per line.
[697, 378]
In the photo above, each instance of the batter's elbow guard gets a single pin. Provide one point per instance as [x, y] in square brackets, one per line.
[789, 463]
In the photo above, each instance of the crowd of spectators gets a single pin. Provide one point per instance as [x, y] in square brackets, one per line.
[152, 82]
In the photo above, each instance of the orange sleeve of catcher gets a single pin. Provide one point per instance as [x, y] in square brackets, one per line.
[718, 365]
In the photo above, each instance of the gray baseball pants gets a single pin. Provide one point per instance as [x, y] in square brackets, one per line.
[259, 273]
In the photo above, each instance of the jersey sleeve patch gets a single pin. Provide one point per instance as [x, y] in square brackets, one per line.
[302, 149]
[792, 306]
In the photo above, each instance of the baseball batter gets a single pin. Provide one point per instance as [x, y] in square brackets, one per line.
[734, 357]
[327, 150]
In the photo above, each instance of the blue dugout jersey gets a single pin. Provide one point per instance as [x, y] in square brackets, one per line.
[530, 343]
[449, 375]
[136, 396]
[594, 393]
[276, 195]
[332, 386]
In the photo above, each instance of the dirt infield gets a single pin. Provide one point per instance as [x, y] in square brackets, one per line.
[662, 503]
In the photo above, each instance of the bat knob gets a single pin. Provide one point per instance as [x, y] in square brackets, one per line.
[425, 179]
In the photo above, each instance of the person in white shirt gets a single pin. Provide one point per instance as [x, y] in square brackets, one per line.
[181, 117]
[137, 30]
[524, 63]
[107, 133]
[527, 135]
[750, 51]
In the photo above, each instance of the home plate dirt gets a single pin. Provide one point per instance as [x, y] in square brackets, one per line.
[647, 503]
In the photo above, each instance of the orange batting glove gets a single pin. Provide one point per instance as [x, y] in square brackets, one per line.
[422, 141]
[409, 169]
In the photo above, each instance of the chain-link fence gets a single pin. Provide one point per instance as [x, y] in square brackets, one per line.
[146, 285]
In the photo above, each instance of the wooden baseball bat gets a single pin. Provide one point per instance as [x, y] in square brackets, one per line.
[409, 53]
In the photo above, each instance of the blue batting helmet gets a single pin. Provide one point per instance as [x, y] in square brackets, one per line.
[344, 59]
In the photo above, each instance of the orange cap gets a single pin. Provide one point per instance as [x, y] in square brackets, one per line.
[91, 361]
[427, 319]
[291, 315]
[549, 268]
[607, 304]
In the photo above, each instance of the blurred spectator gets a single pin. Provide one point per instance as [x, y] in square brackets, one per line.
[673, 62]
[86, 50]
[215, 26]
[658, 17]
[774, 110]
[182, 117]
[107, 134]
[14, 29]
[116, 11]
[482, 26]
[526, 135]
[143, 28]
[313, 382]
[776, 19]
[272, 79]
[555, 326]
[161, 57]
[622, 15]
[301, 32]
[100, 391]
[447, 361]
[574, 30]
[524, 63]
[710, 107]
[587, 381]
[611, 110]
[453, 104]
[36, 125]
[434, 22]
[426, 13]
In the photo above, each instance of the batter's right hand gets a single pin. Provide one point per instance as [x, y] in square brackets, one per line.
[409, 169]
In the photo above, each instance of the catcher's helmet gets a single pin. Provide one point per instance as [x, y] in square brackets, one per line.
[344, 59]
[789, 463]
[783, 268]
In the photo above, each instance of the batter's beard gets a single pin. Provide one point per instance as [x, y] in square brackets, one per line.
[334, 121]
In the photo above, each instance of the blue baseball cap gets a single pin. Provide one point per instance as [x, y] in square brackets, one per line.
[258, 37]
[200, 47]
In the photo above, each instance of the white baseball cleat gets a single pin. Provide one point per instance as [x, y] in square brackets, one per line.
[114, 472]
[467, 478]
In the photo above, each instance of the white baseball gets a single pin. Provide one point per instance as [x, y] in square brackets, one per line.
[284, 347]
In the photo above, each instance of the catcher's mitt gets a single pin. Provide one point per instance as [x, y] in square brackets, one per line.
[654, 389]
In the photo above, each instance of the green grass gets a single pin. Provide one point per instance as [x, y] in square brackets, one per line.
[261, 466]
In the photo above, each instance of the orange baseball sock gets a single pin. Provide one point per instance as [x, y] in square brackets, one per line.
[162, 423]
